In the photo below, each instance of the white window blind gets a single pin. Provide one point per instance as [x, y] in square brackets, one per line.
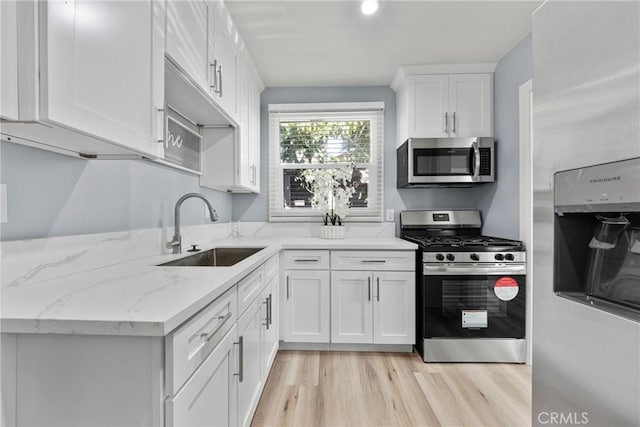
[318, 136]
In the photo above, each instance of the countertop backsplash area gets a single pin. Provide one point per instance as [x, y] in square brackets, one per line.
[30, 261]
[307, 229]
[35, 260]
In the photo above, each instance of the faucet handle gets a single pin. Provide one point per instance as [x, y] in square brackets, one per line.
[175, 244]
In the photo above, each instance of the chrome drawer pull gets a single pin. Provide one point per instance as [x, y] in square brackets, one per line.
[306, 260]
[287, 287]
[376, 261]
[266, 309]
[208, 335]
[240, 345]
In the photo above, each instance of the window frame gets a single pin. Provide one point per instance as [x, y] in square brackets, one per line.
[372, 111]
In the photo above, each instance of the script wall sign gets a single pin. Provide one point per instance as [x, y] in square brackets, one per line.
[182, 146]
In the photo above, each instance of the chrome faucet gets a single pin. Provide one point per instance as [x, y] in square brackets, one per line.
[176, 242]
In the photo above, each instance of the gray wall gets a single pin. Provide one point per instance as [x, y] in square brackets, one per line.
[500, 203]
[53, 195]
[250, 207]
[50, 194]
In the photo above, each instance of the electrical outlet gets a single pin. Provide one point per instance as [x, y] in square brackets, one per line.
[390, 215]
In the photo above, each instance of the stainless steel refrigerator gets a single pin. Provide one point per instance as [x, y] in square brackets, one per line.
[586, 111]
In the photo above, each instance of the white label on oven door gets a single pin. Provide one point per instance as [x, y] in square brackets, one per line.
[474, 318]
[506, 288]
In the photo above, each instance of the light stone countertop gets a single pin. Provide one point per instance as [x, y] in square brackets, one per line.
[139, 298]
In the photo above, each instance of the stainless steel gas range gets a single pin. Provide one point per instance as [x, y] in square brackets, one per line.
[470, 292]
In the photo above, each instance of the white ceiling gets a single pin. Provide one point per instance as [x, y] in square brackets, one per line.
[331, 43]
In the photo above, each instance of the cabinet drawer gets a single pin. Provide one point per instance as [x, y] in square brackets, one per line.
[373, 260]
[207, 397]
[271, 268]
[249, 288]
[305, 260]
[192, 342]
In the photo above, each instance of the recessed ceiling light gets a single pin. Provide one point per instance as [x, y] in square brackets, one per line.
[369, 7]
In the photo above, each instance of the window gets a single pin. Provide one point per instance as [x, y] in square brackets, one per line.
[325, 136]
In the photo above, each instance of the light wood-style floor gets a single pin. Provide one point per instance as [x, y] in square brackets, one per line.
[313, 388]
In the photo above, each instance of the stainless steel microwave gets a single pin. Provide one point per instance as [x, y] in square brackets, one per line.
[459, 162]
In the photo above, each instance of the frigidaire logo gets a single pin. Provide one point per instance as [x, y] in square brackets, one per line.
[601, 180]
[564, 418]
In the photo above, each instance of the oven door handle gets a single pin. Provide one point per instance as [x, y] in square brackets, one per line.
[473, 270]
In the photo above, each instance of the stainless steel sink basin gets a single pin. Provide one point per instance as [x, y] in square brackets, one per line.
[217, 257]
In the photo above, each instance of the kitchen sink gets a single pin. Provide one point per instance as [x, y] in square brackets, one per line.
[217, 257]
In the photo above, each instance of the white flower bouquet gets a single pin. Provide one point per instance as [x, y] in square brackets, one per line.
[332, 190]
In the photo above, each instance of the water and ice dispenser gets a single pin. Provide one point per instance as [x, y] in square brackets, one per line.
[597, 236]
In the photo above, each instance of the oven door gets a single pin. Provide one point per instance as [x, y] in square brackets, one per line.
[473, 302]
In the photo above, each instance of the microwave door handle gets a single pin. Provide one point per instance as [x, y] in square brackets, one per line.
[476, 160]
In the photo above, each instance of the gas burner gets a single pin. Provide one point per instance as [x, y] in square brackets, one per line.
[469, 242]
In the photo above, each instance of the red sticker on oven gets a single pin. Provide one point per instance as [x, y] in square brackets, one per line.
[506, 288]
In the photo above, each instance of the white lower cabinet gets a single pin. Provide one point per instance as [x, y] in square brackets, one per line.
[305, 306]
[270, 323]
[257, 342]
[209, 396]
[394, 308]
[372, 307]
[348, 297]
[249, 376]
[351, 307]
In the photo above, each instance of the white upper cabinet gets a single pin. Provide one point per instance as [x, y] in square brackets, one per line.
[231, 158]
[223, 41]
[202, 41]
[471, 105]
[9, 60]
[428, 100]
[187, 39]
[98, 67]
[439, 105]
[97, 87]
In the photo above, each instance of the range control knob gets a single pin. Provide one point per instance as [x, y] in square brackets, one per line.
[440, 257]
[509, 257]
[450, 257]
[499, 257]
[475, 257]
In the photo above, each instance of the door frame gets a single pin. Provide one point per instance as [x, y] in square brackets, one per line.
[525, 99]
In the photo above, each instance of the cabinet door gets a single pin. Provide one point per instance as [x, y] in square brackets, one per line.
[250, 380]
[223, 54]
[428, 106]
[9, 60]
[209, 396]
[470, 98]
[254, 132]
[187, 43]
[96, 68]
[351, 305]
[244, 166]
[305, 306]
[269, 301]
[394, 307]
